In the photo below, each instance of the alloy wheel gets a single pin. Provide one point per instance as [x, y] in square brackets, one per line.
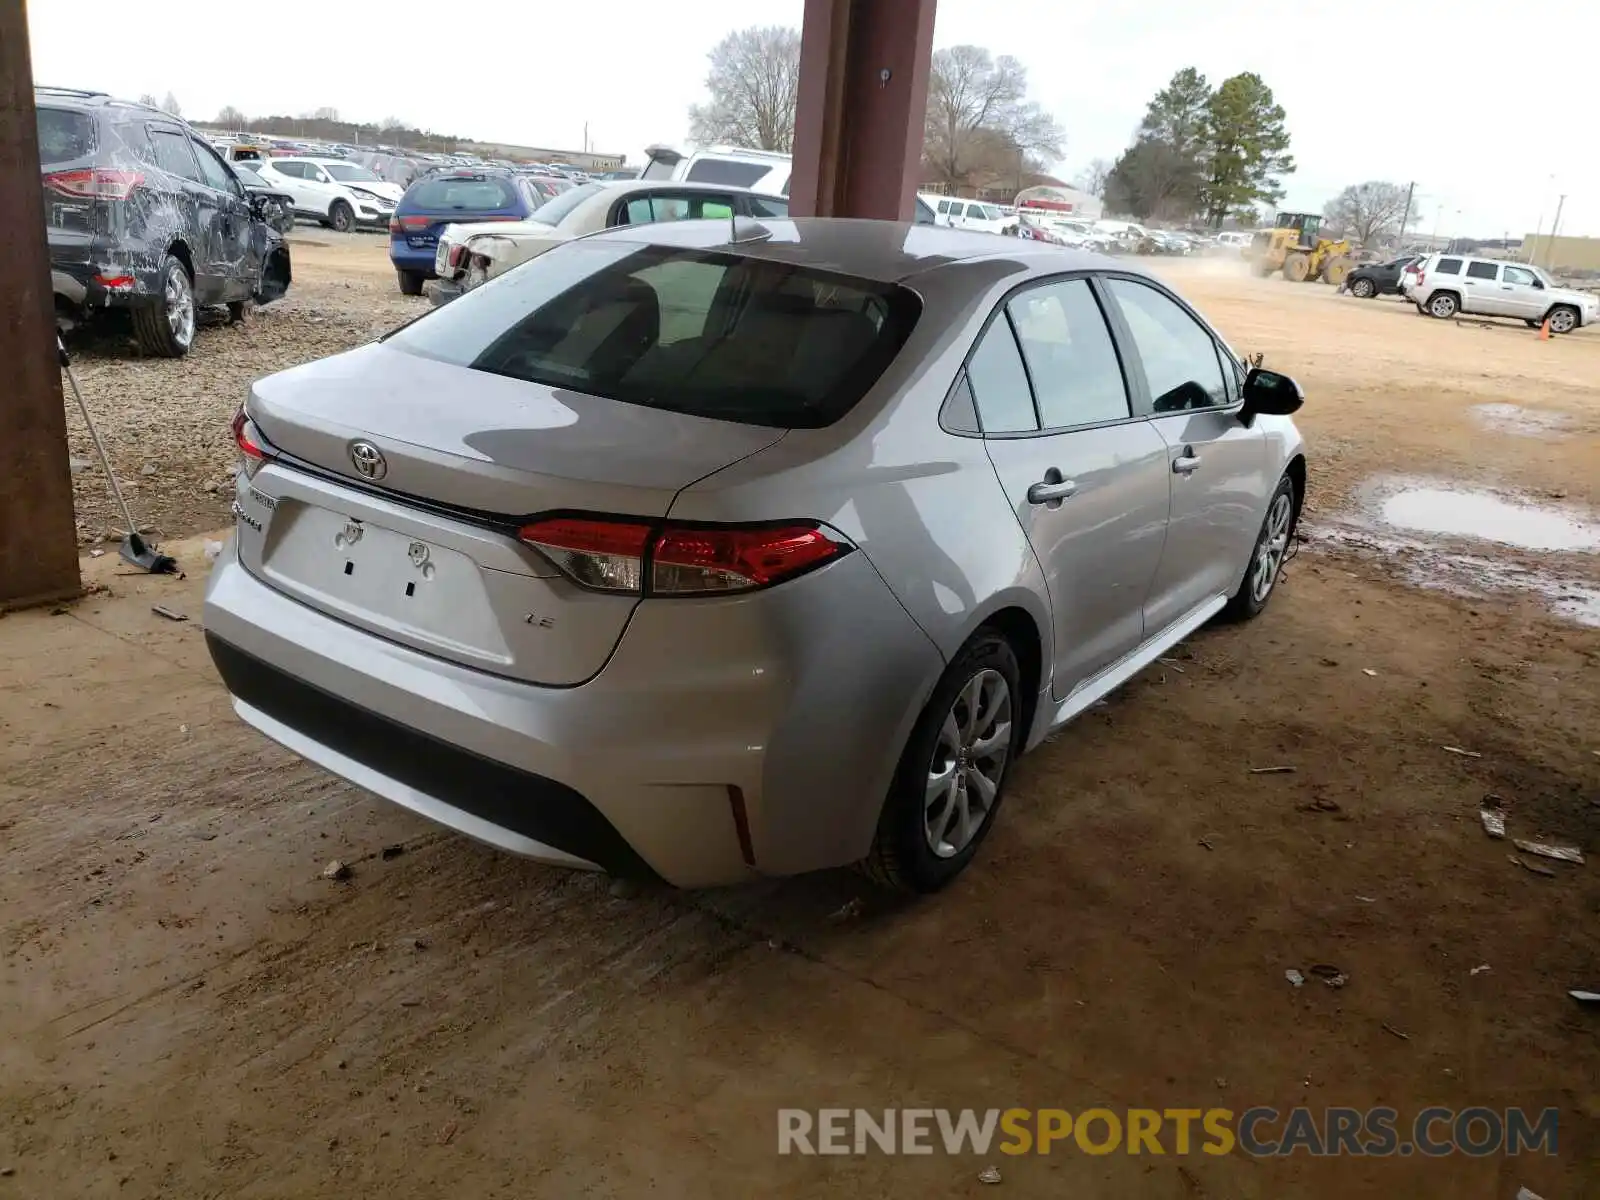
[1561, 321]
[969, 761]
[178, 297]
[1273, 546]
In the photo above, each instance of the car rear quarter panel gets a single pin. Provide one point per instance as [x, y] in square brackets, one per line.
[924, 505]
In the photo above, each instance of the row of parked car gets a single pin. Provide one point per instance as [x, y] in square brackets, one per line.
[1444, 285]
[145, 219]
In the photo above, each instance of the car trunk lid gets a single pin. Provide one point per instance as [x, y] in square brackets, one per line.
[423, 472]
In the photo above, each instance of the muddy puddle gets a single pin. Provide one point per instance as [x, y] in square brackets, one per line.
[1474, 542]
[1522, 422]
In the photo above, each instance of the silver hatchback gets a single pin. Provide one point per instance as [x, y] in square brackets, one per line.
[709, 552]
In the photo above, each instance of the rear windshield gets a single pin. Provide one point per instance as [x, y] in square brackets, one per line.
[551, 212]
[465, 195]
[726, 172]
[700, 332]
[64, 135]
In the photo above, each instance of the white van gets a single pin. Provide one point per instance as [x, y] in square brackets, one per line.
[957, 213]
[759, 170]
[1234, 239]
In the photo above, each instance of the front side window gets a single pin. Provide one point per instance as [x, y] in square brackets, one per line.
[944, 208]
[1071, 357]
[706, 333]
[1483, 270]
[1179, 355]
[1449, 266]
[1000, 382]
[1519, 276]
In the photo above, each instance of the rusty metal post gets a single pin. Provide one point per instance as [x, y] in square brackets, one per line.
[38, 534]
[863, 98]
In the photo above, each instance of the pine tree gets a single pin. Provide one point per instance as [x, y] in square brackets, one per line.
[1247, 148]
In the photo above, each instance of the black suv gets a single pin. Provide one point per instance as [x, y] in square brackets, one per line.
[144, 216]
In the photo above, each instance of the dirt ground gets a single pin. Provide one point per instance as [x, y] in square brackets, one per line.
[190, 1010]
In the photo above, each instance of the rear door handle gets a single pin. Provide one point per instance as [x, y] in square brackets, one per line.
[1052, 489]
[1186, 463]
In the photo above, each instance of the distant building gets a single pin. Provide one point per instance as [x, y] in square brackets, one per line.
[1562, 253]
[588, 160]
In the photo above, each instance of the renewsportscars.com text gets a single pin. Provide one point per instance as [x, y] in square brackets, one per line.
[1374, 1132]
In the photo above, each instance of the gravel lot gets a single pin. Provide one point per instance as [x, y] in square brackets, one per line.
[190, 1009]
[165, 421]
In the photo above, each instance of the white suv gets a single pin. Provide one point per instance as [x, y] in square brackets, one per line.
[731, 166]
[333, 191]
[1446, 284]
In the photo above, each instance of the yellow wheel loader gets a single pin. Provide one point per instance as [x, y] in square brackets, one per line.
[1294, 245]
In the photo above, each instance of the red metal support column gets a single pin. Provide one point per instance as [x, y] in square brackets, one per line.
[38, 534]
[863, 96]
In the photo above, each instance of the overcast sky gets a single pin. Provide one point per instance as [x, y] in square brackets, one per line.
[1489, 107]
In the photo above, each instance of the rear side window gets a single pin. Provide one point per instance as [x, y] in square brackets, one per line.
[1071, 358]
[64, 135]
[709, 334]
[293, 170]
[761, 206]
[173, 154]
[730, 174]
[462, 195]
[1483, 270]
[1000, 382]
[1449, 266]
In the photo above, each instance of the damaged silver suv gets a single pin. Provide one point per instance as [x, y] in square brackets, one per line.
[143, 216]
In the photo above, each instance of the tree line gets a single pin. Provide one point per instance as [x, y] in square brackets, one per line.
[982, 128]
[326, 125]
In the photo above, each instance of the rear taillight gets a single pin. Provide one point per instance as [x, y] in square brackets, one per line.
[395, 226]
[252, 446]
[100, 183]
[646, 559]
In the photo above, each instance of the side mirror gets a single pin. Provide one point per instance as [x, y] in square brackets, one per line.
[1539, 283]
[1271, 393]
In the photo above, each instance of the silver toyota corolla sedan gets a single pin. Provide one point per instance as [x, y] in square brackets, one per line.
[708, 551]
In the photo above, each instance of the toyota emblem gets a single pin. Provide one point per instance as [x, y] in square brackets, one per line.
[368, 460]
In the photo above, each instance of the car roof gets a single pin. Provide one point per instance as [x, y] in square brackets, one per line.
[679, 185]
[884, 251]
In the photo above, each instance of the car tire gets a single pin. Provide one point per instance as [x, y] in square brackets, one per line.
[410, 282]
[1443, 306]
[1563, 318]
[1363, 289]
[166, 328]
[1267, 556]
[342, 217]
[970, 733]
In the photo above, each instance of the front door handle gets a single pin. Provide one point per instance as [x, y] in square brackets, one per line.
[1052, 489]
[1186, 463]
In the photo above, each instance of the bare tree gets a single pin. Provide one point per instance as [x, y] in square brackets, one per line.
[754, 83]
[1367, 212]
[170, 105]
[974, 97]
[231, 118]
[149, 101]
[1092, 179]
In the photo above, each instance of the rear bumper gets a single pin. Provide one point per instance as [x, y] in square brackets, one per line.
[787, 708]
[406, 257]
[88, 286]
[445, 290]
